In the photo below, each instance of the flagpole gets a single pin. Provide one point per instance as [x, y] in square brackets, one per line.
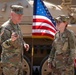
[43, 24]
[32, 54]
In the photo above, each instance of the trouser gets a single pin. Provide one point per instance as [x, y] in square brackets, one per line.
[12, 64]
[66, 71]
[12, 70]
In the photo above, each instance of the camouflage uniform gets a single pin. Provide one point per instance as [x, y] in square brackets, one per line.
[11, 54]
[62, 53]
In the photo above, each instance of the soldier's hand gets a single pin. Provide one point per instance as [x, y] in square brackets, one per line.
[26, 46]
[14, 36]
[50, 66]
[75, 63]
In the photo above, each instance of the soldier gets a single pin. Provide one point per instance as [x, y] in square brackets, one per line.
[12, 43]
[62, 54]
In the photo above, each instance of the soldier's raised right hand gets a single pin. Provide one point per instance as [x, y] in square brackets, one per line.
[14, 36]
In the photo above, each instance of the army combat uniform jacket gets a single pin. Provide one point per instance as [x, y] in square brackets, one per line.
[63, 53]
[11, 51]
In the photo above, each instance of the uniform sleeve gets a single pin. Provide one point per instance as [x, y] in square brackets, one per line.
[21, 35]
[11, 44]
[51, 55]
[52, 52]
[7, 44]
[6, 34]
[6, 39]
[72, 47]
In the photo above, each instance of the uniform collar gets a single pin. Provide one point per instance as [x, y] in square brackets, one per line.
[12, 22]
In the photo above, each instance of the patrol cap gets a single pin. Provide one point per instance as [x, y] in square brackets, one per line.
[17, 9]
[62, 18]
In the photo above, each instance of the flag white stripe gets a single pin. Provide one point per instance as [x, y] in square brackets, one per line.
[43, 24]
[42, 17]
[42, 31]
[44, 20]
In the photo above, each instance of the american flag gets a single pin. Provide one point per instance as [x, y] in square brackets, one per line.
[43, 23]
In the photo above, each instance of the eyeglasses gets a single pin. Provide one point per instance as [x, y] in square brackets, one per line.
[17, 10]
[58, 22]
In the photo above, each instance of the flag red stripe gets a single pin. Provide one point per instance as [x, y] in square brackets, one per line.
[44, 21]
[43, 27]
